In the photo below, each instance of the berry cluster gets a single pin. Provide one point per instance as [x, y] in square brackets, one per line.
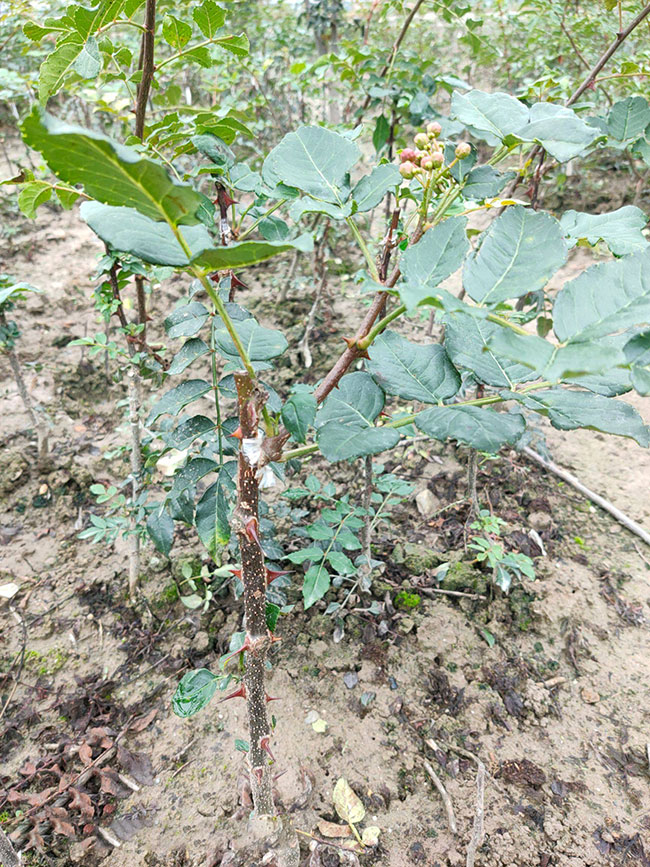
[428, 152]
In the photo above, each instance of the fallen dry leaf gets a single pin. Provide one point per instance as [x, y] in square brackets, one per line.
[331, 829]
[347, 803]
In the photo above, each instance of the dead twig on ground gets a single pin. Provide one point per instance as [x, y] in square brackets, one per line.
[449, 809]
[570, 479]
[478, 831]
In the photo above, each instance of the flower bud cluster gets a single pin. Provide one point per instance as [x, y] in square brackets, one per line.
[427, 155]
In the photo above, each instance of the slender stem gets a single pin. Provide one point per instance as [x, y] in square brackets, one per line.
[604, 58]
[254, 225]
[184, 52]
[372, 267]
[376, 330]
[493, 317]
[215, 386]
[147, 59]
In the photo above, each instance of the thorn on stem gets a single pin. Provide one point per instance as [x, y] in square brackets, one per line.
[265, 744]
[272, 574]
[238, 693]
[237, 434]
[251, 530]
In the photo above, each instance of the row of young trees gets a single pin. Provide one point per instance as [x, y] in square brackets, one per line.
[178, 193]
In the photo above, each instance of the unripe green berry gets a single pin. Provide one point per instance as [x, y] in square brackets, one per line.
[427, 164]
[407, 170]
[463, 150]
[421, 140]
[433, 129]
[419, 156]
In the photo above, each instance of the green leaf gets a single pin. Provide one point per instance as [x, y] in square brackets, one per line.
[341, 563]
[485, 182]
[358, 400]
[192, 349]
[381, 133]
[628, 119]
[435, 257]
[467, 343]
[411, 371]
[213, 512]
[160, 527]
[298, 413]
[186, 321]
[637, 354]
[193, 692]
[110, 172]
[568, 410]
[490, 116]
[176, 33]
[315, 586]
[474, 426]
[315, 160]
[214, 148]
[372, 188]
[304, 554]
[552, 362]
[342, 442]
[32, 195]
[193, 471]
[57, 65]
[260, 343]
[243, 254]
[559, 130]
[272, 614]
[128, 231]
[621, 230]
[496, 117]
[188, 431]
[518, 254]
[89, 62]
[208, 17]
[36, 32]
[237, 45]
[175, 399]
[307, 205]
[603, 299]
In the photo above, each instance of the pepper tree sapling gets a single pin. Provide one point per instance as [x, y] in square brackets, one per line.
[599, 348]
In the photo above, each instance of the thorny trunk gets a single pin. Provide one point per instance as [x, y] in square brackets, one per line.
[40, 426]
[253, 575]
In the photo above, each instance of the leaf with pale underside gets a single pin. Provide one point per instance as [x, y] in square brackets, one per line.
[315, 160]
[604, 299]
[518, 254]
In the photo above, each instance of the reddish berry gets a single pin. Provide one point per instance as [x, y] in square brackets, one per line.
[433, 129]
[463, 150]
[407, 154]
[407, 170]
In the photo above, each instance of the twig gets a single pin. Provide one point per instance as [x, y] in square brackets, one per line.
[613, 48]
[566, 476]
[477, 829]
[437, 782]
[21, 621]
[178, 770]
[393, 52]
[641, 554]
[442, 592]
